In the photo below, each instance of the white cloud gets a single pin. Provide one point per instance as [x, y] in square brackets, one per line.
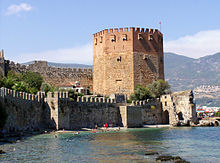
[15, 9]
[80, 54]
[198, 45]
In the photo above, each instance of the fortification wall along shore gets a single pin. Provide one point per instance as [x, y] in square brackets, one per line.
[180, 108]
[27, 112]
[88, 112]
[54, 75]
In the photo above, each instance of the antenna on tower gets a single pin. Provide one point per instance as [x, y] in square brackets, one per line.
[160, 25]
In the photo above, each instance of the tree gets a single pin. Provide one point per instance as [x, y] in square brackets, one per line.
[140, 93]
[33, 81]
[20, 86]
[29, 82]
[73, 94]
[14, 76]
[154, 90]
[45, 87]
[158, 88]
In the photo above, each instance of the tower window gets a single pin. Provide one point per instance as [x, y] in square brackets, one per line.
[145, 57]
[101, 39]
[140, 37]
[150, 37]
[113, 38]
[119, 59]
[124, 37]
[95, 41]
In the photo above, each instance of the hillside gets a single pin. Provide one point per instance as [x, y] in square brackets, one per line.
[187, 73]
[202, 75]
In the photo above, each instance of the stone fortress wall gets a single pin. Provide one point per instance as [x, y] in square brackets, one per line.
[56, 76]
[125, 57]
[28, 112]
[53, 75]
[179, 107]
[25, 111]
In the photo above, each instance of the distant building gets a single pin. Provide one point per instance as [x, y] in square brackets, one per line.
[79, 89]
[76, 87]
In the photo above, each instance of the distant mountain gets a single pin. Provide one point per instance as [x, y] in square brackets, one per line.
[64, 65]
[187, 73]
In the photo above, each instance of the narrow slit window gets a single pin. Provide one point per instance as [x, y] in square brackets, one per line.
[140, 37]
[124, 37]
[150, 37]
[101, 38]
[113, 38]
[119, 59]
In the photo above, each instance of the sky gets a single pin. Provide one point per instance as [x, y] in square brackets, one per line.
[61, 31]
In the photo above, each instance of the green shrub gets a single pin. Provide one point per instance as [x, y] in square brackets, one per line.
[45, 87]
[33, 80]
[140, 93]
[158, 88]
[154, 90]
[73, 94]
[29, 82]
[20, 86]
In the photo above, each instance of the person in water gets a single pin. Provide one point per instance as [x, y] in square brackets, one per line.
[77, 133]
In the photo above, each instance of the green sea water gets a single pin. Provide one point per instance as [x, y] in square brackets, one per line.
[198, 144]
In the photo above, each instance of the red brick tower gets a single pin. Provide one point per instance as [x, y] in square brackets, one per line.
[126, 57]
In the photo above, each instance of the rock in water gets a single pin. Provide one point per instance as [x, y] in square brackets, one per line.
[2, 152]
[176, 159]
[164, 158]
[151, 153]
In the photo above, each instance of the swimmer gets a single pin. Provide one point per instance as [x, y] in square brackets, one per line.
[77, 133]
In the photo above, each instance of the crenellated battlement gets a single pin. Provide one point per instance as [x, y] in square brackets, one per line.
[13, 94]
[95, 100]
[58, 95]
[43, 65]
[144, 102]
[56, 76]
[65, 96]
[126, 30]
